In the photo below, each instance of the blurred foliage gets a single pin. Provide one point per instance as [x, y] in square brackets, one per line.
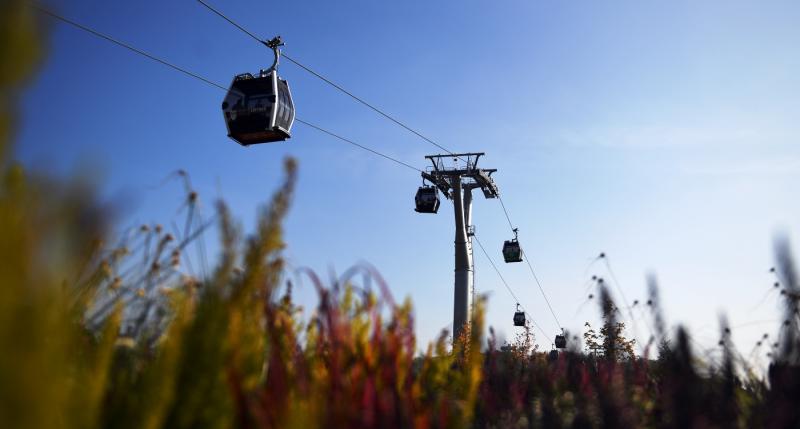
[20, 52]
[96, 332]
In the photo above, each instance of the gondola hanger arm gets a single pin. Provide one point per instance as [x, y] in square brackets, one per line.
[275, 43]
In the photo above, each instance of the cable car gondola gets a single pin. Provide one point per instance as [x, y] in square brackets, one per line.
[561, 341]
[427, 199]
[519, 317]
[553, 355]
[259, 109]
[511, 249]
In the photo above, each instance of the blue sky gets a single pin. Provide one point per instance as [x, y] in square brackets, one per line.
[664, 134]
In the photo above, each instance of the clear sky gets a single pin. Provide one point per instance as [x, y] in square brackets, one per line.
[661, 133]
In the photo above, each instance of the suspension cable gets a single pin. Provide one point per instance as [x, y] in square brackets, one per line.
[365, 103]
[330, 82]
[508, 288]
[530, 266]
[541, 289]
[308, 124]
[346, 140]
[230, 21]
[203, 79]
[508, 218]
[380, 112]
[124, 45]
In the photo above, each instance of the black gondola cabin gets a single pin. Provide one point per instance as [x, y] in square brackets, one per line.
[427, 200]
[519, 318]
[511, 251]
[561, 342]
[258, 109]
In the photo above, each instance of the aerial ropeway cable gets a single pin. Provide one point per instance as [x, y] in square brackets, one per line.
[426, 200]
[328, 81]
[513, 252]
[207, 81]
[259, 109]
[510, 291]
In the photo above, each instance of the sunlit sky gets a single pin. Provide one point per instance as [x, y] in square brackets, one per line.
[661, 133]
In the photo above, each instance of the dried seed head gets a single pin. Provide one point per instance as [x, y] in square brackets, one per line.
[140, 293]
[116, 283]
[189, 281]
[125, 342]
[144, 228]
[602, 255]
[192, 196]
[158, 229]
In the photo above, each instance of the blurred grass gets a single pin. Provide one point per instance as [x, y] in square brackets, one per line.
[96, 332]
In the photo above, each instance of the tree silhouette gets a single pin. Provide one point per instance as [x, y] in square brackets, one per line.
[610, 342]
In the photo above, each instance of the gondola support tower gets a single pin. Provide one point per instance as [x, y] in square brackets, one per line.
[456, 183]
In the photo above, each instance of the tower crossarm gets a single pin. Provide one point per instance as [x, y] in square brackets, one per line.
[470, 158]
[438, 181]
[484, 178]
